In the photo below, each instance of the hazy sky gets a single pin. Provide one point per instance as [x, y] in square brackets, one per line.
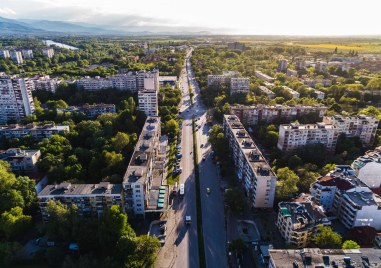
[292, 17]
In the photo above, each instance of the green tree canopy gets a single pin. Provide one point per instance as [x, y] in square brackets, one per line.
[327, 238]
[286, 183]
[350, 244]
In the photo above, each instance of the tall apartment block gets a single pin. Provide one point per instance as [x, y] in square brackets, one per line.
[282, 65]
[347, 197]
[263, 76]
[252, 115]
[298, 221]
[143, 181]
[267, 91]
[46, 83]
[16, 99]
[294, 136]
[361, 126]
[37, 132]
[48, 52]
[148, 101]
[251, 167]
[5, 54]
[27, 53]
[90, 199]
[16, 56]
[239, 85]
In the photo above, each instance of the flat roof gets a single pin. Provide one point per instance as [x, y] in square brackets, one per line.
[68, 189]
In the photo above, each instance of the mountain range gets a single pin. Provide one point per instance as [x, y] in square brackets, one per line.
[47, 27]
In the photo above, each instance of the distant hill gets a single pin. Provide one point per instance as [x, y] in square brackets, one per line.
[8, 26]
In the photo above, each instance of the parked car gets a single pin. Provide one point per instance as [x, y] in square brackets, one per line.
[208, 190]
[188, 220]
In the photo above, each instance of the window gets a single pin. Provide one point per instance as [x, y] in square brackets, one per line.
[137, 191]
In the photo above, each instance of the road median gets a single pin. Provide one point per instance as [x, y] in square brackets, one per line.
[200, 235]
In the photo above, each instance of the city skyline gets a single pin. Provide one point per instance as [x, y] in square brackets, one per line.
[272, 17]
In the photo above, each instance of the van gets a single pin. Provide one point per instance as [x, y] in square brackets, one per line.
[182, 189]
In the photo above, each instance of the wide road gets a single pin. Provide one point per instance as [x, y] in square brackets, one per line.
[213, 215]
[186, 242]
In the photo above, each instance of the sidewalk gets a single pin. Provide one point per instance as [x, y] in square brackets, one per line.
[168, 252]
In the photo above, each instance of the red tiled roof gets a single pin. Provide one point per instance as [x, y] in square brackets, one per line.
[340, 183]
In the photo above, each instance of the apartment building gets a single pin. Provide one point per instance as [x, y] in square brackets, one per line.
[94, 84]
[5, 54]
[21, 161]
[48, 52]
[361, 126]
[292, 72]
[263, 76]
[16, 56]
[27, 53]
[252, 115]
[222, 79]
[313, 82]
[268, 84]
[282, 65]
[300, 63]
[237, 46]
[320, 67]
[294, 136]
[16, 101]
[124, 82]
[320, 258]
[297, 221]
[239, 85]
[368, 168]
[319, 94]
[267, 91]
[148, 80]
[148, 101]
[91, 199]
[350, 199]
[294, 94]
[251, 167]
[143, 181]
[93, 111]
[44, 82]
[37, 132]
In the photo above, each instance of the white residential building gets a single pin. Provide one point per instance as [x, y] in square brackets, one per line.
[294, 136]
[148, 101]
[298, 221]
[267, 91]
[90, 199]
[21, 161]
[251, 167]
[48, 52]
[46, 83]
[221, 79]
[321, 67]
[361, 126]
[294, 94]
[368, 168]
[143, 181]
[282, 65]
[124, 82]
[265, 77]
[37, 132]
[147, 80]
[292, 72]
[318, 93]
[16, 56]
[5, 54]
[27, 53]
[94, 84]
[300, 63]
[252, 115]
[239, 85]
[16, 101]
[313, 82]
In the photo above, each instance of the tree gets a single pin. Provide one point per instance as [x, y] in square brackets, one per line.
[238, 245]
[234, 200]
[327, 168]
[350, 244]
[286, 183]
[120, 141]
[146, 250]
[14, 223]
[171, 128]
[374, 84]
[327, 238]
[370, 111]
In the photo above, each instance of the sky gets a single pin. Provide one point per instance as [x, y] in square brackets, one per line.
[252, 17]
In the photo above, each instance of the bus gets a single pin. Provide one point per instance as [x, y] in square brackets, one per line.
[182, 190]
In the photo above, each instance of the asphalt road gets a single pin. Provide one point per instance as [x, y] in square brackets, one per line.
[186, 242]
[213, 216]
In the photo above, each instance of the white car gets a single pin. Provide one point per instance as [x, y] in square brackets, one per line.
[188, 220]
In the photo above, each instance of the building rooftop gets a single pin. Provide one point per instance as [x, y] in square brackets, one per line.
[315, 257]
[68, 189]
[249, 148]
[308, 126]
[35, 127]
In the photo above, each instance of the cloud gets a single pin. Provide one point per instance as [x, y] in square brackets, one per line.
[7, 11]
